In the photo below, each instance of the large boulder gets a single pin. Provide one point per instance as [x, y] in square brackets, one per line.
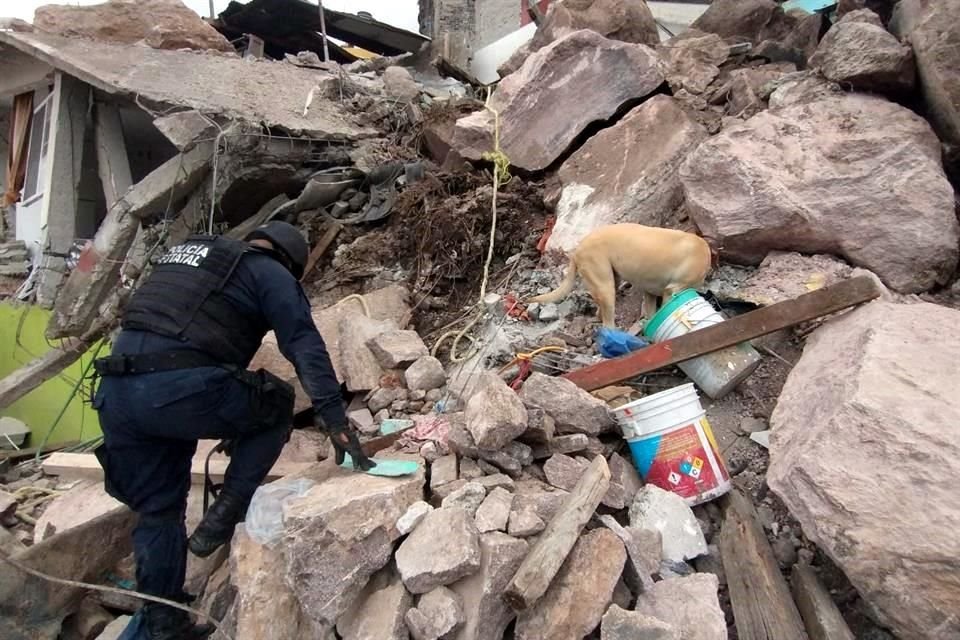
[443, 548]
[623, 20]
[578, 597]
[342, 532]
[863, 454]
[495, 416]
[861, 54]
[744, 19]
[582, 63]
[573, 409]
[855, 175]
[161, 24]
[933, 29]
[626, 173]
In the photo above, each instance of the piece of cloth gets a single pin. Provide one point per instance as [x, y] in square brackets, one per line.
[21, 117]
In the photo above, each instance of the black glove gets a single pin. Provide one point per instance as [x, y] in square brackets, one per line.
[345, 441]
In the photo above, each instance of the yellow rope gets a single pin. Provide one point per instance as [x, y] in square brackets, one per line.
[358, 298]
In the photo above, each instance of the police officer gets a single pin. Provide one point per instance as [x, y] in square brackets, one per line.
[178, 373]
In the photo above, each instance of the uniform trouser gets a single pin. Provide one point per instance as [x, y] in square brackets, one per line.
[151, 424]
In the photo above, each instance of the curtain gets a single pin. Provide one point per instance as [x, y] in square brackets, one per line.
[20, 118]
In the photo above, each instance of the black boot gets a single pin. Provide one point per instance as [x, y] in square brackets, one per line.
[218, 524]
[166, 623]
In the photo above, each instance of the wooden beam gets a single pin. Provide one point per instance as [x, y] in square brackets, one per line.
[762, 606]
[322, 245]
[543, 562]
[85, 465]
[820, 614]
[733, 331]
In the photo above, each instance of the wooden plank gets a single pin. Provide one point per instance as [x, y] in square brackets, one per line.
[543, 562]
[322, 245]
[733, 331]
[85, 465]
[370, 447]
[820, 614]
[762, 606]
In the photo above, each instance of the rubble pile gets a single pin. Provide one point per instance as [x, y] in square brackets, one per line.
[811, 150]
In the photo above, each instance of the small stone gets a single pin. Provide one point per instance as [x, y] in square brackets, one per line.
[496, 481]
[425, 374]
[625, 482]
[430, 451]
[549, 312]
[487, 468]
[712, 563]
[434, 395]
[672, 569]
[398, 407]
[469, 469]
[379, 611]
[572, 443]
[666, 512]
[417, 396]
[443, 548]
[381, 416]
[520, 452]
[563, 471]
[494, 512]
[688, 604]
[412, 517]
[413, 406]
[383, 398]
[469, 498]
[620, 624]
[752, 425]
[445, 490]
[767, 517]
[443, 471]
[785, 552]
[524, 523]
[362, 421]
[805, 556]
[540, 427]
[438, 614]
[398, 348]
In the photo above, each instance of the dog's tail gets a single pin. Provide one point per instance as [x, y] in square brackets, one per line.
[561, 292]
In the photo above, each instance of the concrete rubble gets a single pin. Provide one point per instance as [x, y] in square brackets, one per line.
[438, 614]
[690, 605]
[443, 548]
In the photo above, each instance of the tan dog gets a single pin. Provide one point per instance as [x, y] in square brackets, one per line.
[658, 262]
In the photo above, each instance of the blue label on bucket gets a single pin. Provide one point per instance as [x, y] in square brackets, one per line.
[644, 452]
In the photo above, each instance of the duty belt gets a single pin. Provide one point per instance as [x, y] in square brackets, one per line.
[128, 365]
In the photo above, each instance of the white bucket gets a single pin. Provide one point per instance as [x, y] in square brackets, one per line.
[717, 373]
[673, 446]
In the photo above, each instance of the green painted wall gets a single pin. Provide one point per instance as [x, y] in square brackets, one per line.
[21, 340]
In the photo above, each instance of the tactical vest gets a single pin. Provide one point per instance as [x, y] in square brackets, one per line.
[183, 298]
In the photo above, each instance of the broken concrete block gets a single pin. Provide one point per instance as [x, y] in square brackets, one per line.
[494, 513]
[563, 471]
[362, 420]
[664, 511]
[690, 605]
[424, 374]
[524, 522]
[625, 482]
[495, 416]
[579, 595]
[878, 368]
[443, 471]
[865, 56]
[487, 614]
[83, 502]
[438, 614]
[341, 533]
[647, 188]
[360, 368]
[728, 181]
[399, 84]
[580, 63]
[184, 128]
[379, 611]
[469, 497]
[443, 548]
[266, 606]
[397, 349]
[573, 409]
[412, 517]
[620, 624]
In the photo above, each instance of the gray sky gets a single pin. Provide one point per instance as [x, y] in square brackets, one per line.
[400, 13]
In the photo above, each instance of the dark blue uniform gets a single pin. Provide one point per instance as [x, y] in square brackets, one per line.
[152, 421]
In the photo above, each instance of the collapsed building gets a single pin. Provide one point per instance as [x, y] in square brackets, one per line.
[813, 144]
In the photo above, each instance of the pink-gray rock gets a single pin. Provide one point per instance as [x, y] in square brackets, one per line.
[689, 604]
[496, 481]
[340, 533]
[570, 443]
[487, 614]
[864, 56]
[625, 482]
[623, 20]
[438, 614]
[580, 593]
[573, 409]
[786, 275]
[883, 374]
[620, 624]
[425, 374]
[581, 63]
[933, 29]
[470, 469]
[161, 24]
[855, 175]
[799, 88]
[443, 548]
[398, 348]
[745, 87]
[524, 522]
[540, 427]
[644, 552]
[626, 173]
[379, 611]
[692, 59]
[469, 497]
[494, 512]
[443, 471]
[413, 516]
[362, 420]
[737, 18]
[399, 84]
[360, 368]
[564, 471]
[495, 416]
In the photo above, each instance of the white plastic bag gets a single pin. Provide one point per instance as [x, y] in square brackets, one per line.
[264, 520]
